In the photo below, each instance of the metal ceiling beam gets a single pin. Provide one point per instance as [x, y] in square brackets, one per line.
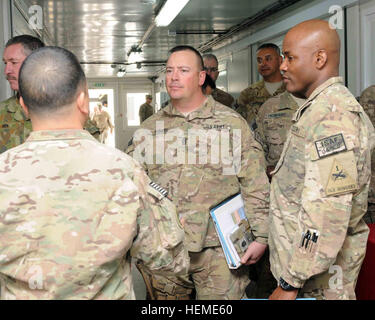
[247, 23]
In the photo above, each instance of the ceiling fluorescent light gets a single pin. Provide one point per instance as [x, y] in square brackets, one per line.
[169, 11]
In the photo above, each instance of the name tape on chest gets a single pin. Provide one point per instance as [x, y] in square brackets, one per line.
[331, 145]
[158, 188]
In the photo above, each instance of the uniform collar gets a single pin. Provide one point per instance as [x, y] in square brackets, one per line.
[48, 135]
[286, 99]
[315, 93]
[206, 110]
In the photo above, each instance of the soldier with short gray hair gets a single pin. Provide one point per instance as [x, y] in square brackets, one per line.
[69, 225]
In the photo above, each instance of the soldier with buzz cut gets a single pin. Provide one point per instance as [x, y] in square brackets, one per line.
[178, 146]
[320, 185]
[70, 225]
[211, 66]
[367, 101]
[250, 99]
[146, 110]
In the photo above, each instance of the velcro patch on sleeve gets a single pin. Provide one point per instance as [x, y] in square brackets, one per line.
[340, 181]
[330, 145]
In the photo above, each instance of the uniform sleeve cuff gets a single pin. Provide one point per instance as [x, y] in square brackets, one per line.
[294, 282]
[262, 240]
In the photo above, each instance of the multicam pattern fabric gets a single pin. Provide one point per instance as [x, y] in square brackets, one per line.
[223, 97]
[145, 111]
[319, 195]
[196, 187]
[15, 127]
[68, 224]
[367, 101]
[252, 98]
[273, 122]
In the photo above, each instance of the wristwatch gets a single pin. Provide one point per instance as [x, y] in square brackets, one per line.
[286, 286]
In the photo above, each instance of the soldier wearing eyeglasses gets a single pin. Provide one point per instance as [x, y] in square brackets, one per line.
[211, 67]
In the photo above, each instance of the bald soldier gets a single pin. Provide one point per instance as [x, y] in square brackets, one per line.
[367, 101]
[69, 225]
[202, 153]
[250, 99]
[14, 124]
[211, 66]
[320, 185]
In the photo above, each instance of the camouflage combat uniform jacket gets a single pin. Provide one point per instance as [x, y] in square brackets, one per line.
[319, 195]
[68, 224]
[273, 122]
[367, 101]
[145, 111]
[252, 98]
[223, 97]
[15, 127]
[196, 186]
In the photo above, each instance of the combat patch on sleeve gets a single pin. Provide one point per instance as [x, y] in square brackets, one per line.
[339, 180]
[330, 145]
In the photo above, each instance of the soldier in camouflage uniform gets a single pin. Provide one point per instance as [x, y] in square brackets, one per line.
[167, 150]
[69, 225]
[273, 122]
[102, 120]
[146, 110]
[211, 66]
[367, 101]
[250, 99]
[320, 185]
[15, 125]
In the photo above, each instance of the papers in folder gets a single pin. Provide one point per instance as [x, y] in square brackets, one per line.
[232, 228]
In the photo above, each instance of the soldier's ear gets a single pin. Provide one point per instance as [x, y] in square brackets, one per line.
[24, 107]
[82, 103]
[321, 59]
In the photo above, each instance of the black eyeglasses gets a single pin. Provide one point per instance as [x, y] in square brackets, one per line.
[210, 69]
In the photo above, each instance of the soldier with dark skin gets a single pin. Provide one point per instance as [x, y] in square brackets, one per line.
[320, 185]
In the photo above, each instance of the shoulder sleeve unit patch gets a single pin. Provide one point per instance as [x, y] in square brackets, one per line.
[330, 145]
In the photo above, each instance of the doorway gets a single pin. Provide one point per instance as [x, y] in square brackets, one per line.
[96, 98]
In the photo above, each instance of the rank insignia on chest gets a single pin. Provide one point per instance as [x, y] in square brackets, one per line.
[331, 145]
[5, 125]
